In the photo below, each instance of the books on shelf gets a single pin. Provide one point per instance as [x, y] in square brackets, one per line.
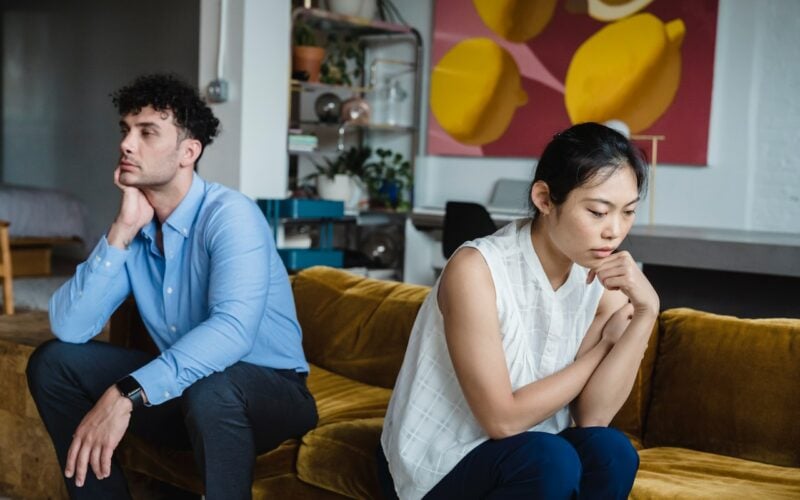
[303, 142]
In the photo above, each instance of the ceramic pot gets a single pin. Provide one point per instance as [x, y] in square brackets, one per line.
[308, 59]
[339, 188]
[357, 8]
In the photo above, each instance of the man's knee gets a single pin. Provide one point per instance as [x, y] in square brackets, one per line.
[43, 365]
[210, 400]
[549, 462]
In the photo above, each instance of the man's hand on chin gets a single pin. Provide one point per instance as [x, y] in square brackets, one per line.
[97, 436]
[134, 212]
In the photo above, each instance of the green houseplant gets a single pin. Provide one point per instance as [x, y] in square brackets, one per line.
[308, 52]
[344, 61]
[335, 176]
[389, 180]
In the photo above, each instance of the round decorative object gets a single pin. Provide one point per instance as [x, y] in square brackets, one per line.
[381, 247]
[355, 110]
[328, 107]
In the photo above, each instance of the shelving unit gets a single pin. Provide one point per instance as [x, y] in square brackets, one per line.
[393, 53]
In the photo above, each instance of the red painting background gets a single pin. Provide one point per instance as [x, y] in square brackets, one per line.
[684, 124]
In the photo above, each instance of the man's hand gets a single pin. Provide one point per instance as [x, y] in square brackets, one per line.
[134, 212]
[97, 436]
[620, 272]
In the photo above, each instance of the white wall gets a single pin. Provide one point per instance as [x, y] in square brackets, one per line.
[250, 154]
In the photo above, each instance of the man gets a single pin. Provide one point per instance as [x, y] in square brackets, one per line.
[200, 262]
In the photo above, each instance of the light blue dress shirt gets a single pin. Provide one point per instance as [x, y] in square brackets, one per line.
[217, 295]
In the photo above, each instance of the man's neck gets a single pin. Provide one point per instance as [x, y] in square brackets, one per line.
[165, 199]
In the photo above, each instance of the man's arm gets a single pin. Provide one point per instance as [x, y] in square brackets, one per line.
[80, 308]
[240, 247]
[77, 312]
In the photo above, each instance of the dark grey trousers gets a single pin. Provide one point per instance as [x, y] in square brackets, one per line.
[226, 419]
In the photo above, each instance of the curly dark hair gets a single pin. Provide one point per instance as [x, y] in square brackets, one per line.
[169, 92]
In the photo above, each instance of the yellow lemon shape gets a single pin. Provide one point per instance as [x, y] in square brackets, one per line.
[475, 89]
[629, 70]
[516, 20]
[611, 10]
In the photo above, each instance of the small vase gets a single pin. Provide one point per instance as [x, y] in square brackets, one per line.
[339, 188]
[308, 59]
[356, 8]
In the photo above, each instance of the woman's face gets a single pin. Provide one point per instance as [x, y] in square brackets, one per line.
[595, 218]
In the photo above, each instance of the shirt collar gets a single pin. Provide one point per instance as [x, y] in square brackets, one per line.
[185, 213]
[183, 216]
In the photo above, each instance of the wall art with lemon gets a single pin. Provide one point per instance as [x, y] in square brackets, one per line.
[507, 74]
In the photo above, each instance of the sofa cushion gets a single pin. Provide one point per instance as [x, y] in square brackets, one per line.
[340, 398]
[682, 473]
[727, 385]
[355, 326]
[341, 457]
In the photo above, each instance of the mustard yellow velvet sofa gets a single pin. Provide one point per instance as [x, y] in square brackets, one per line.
[714, 412]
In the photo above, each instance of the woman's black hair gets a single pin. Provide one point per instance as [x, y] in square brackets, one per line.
[582, 152]
[168, 92]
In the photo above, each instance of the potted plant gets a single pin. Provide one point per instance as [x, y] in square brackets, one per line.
[344, 61]
[308, 52]
[335, 176]
[389, 180]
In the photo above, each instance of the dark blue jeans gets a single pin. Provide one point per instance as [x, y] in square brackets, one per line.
[588, 462]
[226, 419]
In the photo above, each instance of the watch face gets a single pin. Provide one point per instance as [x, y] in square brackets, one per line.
[128, 386]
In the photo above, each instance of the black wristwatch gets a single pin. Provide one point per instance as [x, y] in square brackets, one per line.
[130, 388]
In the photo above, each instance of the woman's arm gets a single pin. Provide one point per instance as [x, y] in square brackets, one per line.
[609, 386]
[467, 301]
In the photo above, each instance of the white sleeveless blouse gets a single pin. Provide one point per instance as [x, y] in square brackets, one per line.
[429, 427]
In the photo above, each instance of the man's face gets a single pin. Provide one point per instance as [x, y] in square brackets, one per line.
[150, 148]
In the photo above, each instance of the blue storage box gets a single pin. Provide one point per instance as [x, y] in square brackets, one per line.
[296, 259]
[300, 208]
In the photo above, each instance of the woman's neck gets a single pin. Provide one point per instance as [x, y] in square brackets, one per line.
[556, 265]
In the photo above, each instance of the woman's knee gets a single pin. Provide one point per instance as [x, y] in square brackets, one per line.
[609, 458]
[549, 462]
[624, 457]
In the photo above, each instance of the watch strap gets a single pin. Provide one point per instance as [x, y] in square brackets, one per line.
[129, 387]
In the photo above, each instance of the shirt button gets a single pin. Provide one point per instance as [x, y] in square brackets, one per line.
[166, 394]
[108, 263]
[173, 328]
[169, 289]
[97, 258]
[185, 231]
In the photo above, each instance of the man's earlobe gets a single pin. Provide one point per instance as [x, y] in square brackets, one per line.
[192, 152]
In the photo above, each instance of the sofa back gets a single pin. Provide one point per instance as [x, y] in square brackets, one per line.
[354, 326]
[726, 385]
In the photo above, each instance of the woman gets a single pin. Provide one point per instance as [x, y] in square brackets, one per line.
[530, 343]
